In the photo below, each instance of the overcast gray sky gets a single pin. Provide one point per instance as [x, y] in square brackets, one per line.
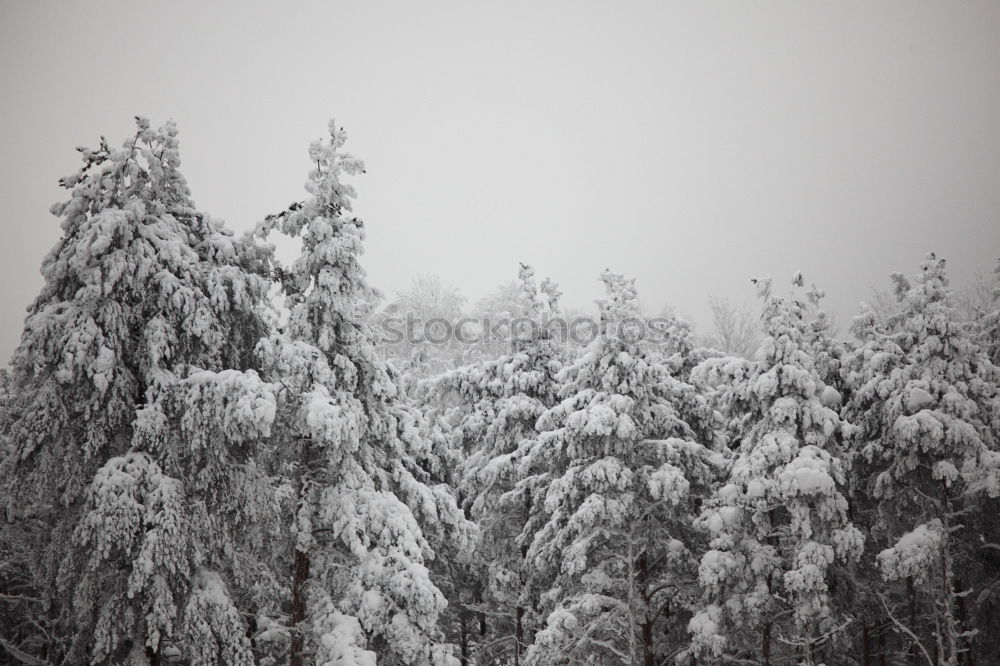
[690, 145]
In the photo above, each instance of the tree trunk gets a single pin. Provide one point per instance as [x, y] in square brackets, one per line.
[866, 647]
[765, 644]
[300, 575]
[968, 657]
[481, 614]
[913, 620]
[765, 639]
[647, 644]
[951, 627]
[299, 580]
[519, 629]
[153, 656]
[518, 635]
[646, 628]
[464, 633]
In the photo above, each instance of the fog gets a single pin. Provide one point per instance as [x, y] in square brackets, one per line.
[690, 145]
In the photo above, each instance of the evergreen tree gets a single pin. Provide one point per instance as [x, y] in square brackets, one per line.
[826, 351]
[499, 402]
[989, 333]
[780, 524]
[351, 448]
[142, 293]
[926, 399]
[615, 476]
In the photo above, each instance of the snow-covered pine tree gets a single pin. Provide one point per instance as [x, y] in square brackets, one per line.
[989, 333]
[454, 402]
[780, 523]
[496, 311]
[674, 346]
[499, 402]
[127, 553]
[439, 462]
[926, 399]
[826, 351]
[351, 449]
[615, 477]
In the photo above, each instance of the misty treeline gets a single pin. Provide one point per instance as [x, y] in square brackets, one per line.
[192, 474]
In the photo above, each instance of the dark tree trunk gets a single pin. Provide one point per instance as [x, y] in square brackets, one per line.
[913, 620]
[647, 644]
[464, 633]
[969, 657]
[251, 630]
[481, 614]
[866, 646]
[299, 580]
[519, 629]
[518, 635]
[765, 644]
[646, 628]
[765, 638]
[153, 656]
[300, 574]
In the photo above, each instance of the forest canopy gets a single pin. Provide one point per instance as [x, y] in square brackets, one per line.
[211, 457]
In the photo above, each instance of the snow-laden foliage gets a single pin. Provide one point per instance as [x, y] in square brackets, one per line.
[779, 524]
[614, 474]
[495, 405]
[213, 625]
[141, 287]
[925, 396]
[989, 333]
[134, 512]
[350, 447]
[826, 351]
[340, 639]
[192, 473]
[186, 502]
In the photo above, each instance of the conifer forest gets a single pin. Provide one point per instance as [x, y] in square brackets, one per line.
[211, 456]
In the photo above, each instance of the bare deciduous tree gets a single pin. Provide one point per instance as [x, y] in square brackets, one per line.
[735, 328]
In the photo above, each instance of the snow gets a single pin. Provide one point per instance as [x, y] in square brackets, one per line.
[342, 641]
[946, 471]
[211, 619]
[704, 629]
[914, 553]
[668, 483]
[197, 457]
[606, 474]
[808, 474]
[756, 489]
[830, 397]
[918, 399]
[784, 409]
